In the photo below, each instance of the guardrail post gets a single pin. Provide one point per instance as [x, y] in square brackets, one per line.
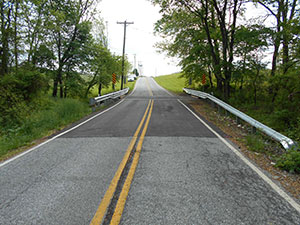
[226, 113]
[238, 121]
[215, 102]
[211, 103]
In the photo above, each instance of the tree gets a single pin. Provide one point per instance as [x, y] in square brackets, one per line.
[100, 67]
[251, 43]
[6, 23]
[286, 17]
[218, 20]
[67, 22]
[55, 38]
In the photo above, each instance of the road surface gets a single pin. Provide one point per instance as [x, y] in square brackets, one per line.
[146, 160]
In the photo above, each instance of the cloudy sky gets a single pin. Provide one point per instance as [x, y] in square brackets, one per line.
[140, 39]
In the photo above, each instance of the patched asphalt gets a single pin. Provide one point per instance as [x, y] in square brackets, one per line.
[61, 183]
[196, 180]
[185, 174]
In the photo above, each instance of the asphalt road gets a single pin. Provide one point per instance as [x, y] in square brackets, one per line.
[185, 173]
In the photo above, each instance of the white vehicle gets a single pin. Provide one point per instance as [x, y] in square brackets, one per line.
[131, 78]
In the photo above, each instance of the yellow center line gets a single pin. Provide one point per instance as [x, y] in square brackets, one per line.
[125, 190]
[99, 215]
[149, 88]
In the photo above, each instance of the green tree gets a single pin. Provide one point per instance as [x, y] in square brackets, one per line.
[218, 20]
[68, 22]
[100, 68]
[6, 8]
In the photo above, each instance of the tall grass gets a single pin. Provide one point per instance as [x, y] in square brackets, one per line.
[39, 123]
[42, 117]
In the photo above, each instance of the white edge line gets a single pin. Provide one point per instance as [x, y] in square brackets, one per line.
[251, 165]
[53, 138]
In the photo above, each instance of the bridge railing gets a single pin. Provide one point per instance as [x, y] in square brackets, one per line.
[98, 100]
[286, 142]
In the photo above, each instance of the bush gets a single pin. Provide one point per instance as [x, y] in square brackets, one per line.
[55, 113]
[255, 143]
[12, 105]
[17, 91]
[290, 161]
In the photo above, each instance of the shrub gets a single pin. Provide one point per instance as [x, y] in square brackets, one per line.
[17, 91]
[255, 143]
[290, 161]
[55, 113]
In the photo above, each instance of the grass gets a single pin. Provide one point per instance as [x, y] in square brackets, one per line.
[53, 114]
[255, 143]
[109, 89]
[40, 123]
[289, 161]
[173, 82]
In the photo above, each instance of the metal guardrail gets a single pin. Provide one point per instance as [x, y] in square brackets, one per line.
[286, 142]
[96, 101]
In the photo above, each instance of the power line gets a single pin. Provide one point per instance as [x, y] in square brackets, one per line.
[123, 56]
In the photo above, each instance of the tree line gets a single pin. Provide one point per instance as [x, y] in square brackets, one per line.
[251, 57]
[57, 44]
[215, 37]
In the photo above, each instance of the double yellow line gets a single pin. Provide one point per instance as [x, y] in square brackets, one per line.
[102, 209]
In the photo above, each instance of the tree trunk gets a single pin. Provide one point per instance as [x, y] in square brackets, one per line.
[219, 84]
[4, 32]
[227, 89]
[16, 35]
[57, 80]
[242, 83]
[55, 84]
[61, 87]
[100, 89]
[91, 84]
[255, 85]
[65, 91]
[285, 56]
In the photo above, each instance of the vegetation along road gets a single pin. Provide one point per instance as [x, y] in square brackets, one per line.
[148, 159]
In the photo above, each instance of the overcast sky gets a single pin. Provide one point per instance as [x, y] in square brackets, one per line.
[140, 39]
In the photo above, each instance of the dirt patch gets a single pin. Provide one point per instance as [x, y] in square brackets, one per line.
[237, 134]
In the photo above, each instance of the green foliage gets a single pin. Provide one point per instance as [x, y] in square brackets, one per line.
[255, 143]
[53, 114]
[294, 131]
[16, 91]
[290, 161]
[135, 72]
[207, 40]
[12, 107]
[60, 38]
[43, 43]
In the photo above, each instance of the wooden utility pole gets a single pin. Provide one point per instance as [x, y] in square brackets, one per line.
[123, 56]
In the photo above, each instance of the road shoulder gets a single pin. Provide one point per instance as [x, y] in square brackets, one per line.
[236, 134]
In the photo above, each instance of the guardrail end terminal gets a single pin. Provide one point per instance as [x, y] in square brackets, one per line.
[289, 144]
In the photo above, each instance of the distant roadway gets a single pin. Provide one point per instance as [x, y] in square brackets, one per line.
[148, 159]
